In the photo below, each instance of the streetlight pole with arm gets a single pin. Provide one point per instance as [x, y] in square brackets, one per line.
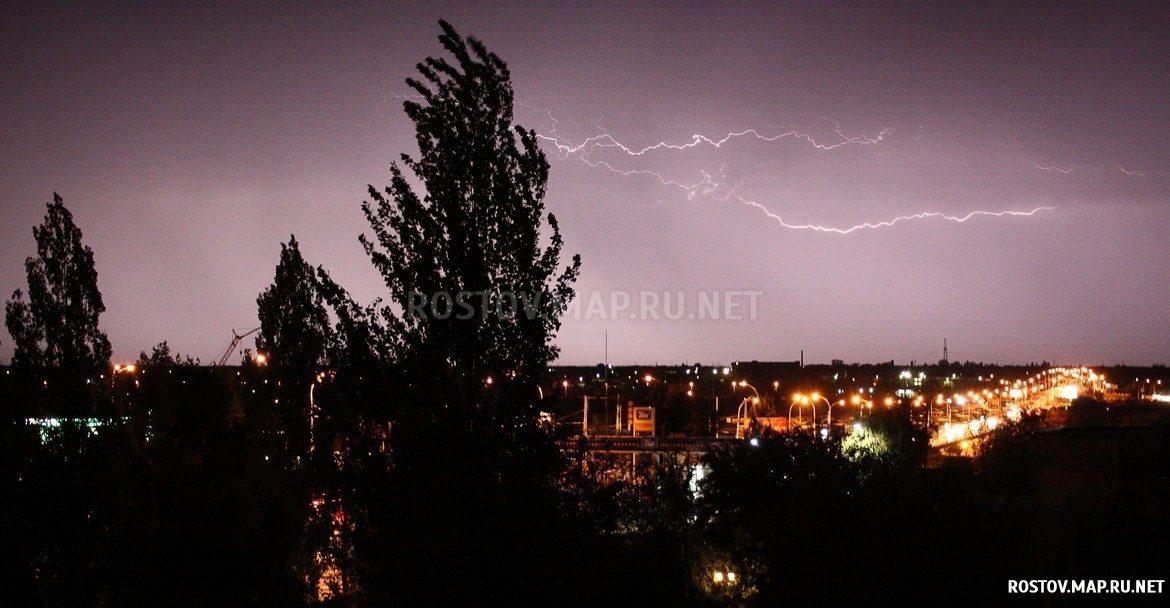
[744, 407]
[802, 400]
[813, 398]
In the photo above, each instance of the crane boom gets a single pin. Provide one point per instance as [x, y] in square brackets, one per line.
[227, 353]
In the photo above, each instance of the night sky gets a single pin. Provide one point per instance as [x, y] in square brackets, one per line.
[190, 141]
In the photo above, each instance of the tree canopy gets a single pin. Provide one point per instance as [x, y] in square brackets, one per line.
[477, 288]
[294, 325]
[58, 325]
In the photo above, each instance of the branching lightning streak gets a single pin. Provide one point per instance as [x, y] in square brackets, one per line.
[1094, 168]
[607, 141]
[709, 185]
[888, 223]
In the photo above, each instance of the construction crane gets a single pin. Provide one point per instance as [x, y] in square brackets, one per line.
[231, 347]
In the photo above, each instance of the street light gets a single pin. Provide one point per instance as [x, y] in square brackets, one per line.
[724, 578]
[813, 397]
[961, 401]
[861, 405]
[805, 400]
[744, 407]
[739, 413]
[840, 403]
[754, 391]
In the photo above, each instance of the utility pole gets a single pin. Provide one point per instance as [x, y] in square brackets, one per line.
[605, 408]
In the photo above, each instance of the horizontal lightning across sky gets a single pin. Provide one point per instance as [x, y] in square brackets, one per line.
[711, 183]
[1095, 168]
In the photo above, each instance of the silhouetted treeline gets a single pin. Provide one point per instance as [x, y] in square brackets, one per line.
[161, 489]
[193, 486]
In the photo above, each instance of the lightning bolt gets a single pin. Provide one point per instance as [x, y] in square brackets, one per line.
[1066, 171]
[890, 222]
[1094, 168]
[603, 141]
[710, 184]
